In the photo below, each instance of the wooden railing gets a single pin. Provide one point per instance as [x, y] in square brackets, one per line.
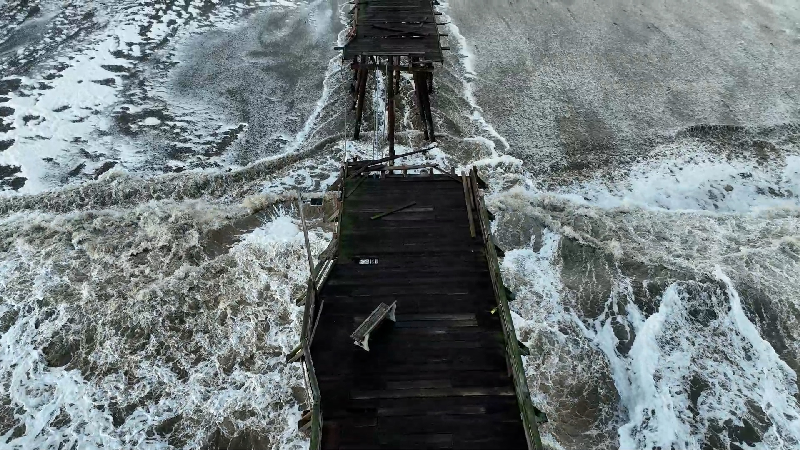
[513, 352]
[317, 275]
[312, 387]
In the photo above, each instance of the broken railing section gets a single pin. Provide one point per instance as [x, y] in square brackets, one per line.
[384, 166]
[514, 349]
[318, 274]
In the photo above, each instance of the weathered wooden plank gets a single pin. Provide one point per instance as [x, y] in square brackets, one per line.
[481, 290]
[398, 28]
[454, 423]
[489, 404]
[367, 272]
[341, 306]
[402, 280]
[398, 209]
[431, 393]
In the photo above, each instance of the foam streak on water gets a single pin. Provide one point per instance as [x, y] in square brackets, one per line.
[467, 88]
[632, 283]
[97, 351]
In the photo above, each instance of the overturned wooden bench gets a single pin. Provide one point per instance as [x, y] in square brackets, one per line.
[361, 335]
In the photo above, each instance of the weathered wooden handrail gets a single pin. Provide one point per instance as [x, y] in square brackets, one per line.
[312, 387]
[316, 278]
[316, 412]
[513, 355]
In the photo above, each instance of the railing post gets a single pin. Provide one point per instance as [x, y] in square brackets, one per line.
[305, 235]
[306, 336]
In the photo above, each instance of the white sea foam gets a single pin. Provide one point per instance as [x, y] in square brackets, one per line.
[687, 177]
[467, 85]
[62, 115]
[666, 210]
[696, 366]
[674, 351]
[546, 324]
[231, 378]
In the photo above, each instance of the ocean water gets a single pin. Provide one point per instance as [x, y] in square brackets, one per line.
[152, 255]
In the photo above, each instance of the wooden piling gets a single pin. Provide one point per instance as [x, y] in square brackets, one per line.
[390, 105]
[420, 103]
[361, 93]
[397, 75]
[426, 104]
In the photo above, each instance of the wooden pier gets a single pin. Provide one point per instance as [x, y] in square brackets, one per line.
[447, 372]
[407, 338]
[394, 36]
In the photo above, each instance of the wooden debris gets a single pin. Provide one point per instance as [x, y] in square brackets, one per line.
[295, 354]
[468, 202]
[378, 162]
[358, 183]
[378, 216]
[361, 335]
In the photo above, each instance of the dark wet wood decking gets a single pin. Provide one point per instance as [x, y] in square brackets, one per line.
[395, 28]
[437, 378]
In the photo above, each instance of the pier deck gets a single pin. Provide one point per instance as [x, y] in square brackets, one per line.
[395, 28]
[440, 376]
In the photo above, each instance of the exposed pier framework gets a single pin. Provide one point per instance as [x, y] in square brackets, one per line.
[394, 36]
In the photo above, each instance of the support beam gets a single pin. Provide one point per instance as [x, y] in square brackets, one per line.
[426, 104]
[361, 93]
[418, 83]
[390, 105]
